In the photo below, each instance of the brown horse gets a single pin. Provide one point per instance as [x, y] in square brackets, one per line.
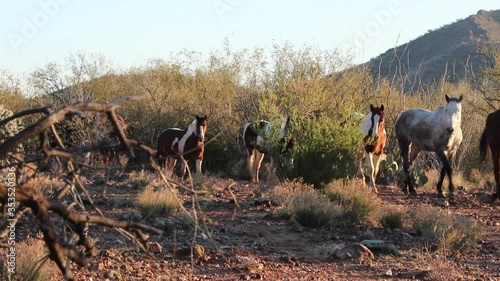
[491, 137]
[258, 139]
[375, 137]
[177, 144]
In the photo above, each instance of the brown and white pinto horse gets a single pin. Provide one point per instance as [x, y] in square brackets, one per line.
[375, 137]
[491, 137]
[257, 142]
[177, 144]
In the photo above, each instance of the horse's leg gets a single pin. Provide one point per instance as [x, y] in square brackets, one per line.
[183, 168]
[171, 161]
[445, 170]
[250, 162]
[404, 151]
[371, 169]
[376, 165]
[495, 155]
[259, 156]
[414, 151]
[198, 169]
[361, 157]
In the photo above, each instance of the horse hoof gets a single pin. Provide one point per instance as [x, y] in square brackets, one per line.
[441, 195]
[413, 192]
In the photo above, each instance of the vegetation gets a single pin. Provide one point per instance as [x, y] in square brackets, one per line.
[317, 88]
[447, 234]
[157, 202]
[358, 204]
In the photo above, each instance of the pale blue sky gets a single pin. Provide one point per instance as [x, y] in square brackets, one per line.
[128, 32]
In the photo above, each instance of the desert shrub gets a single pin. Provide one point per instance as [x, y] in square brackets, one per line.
[313, 210]
[449, 234]
[392, 217]
[391, 221]
[463, 233]
[325, 151]
[32, 262]
[284, 213]
[10, 129]
[284, 192]
[141, 179]
[356, 201]
[157, 202]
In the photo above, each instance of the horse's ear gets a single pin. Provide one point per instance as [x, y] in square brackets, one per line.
[447, 98]
[197, 117]
[381, 107]
[460, 98]
[371, 107]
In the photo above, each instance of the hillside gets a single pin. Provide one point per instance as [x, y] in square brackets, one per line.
[448, 50]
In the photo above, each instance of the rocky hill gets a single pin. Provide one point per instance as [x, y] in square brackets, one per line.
[450, 51]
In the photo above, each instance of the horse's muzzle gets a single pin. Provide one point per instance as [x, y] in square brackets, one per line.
[450, 129]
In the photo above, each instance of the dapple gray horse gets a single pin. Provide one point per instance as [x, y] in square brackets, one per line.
[439, 131]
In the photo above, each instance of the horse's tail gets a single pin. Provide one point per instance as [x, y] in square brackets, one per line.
[483, 143]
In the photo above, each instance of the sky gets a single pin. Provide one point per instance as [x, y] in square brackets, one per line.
[130, 33]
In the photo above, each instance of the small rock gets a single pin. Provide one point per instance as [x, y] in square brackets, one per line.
[353, 251]
[388, 272]
[155, 247]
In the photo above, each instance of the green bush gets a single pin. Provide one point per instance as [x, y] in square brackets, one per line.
[313, 210]
[356, 201]
[325, 151]
[391, 221]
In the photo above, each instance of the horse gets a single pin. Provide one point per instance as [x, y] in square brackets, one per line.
[177, 144]
[256, 140]
[375, 137]
[438, 131]
[491, 137]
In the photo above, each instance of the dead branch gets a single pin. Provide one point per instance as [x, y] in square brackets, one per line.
[45, 209]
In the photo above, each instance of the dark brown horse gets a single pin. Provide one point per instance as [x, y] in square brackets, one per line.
[177, 144]
[375, 137]
[491, 137]
[258, 140]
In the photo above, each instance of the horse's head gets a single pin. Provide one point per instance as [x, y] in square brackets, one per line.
[201, 127]
[374, 122]
[452, 113]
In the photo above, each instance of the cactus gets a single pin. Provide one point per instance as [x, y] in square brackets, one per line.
[391, 170]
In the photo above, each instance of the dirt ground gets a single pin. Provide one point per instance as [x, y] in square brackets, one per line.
[246, 241]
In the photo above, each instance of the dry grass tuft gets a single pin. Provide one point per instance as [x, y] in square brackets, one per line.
[311, 209]
[157, 201]
[285, 191]
[451, 235]
[357, 201]
[32, 263]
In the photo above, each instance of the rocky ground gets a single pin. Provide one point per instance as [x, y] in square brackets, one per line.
[246, 241]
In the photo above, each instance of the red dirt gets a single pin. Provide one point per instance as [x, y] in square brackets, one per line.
[248, 242]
